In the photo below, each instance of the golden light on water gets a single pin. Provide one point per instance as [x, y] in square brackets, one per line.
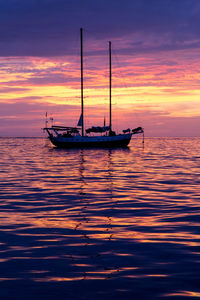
[184, 294]
[126, 216]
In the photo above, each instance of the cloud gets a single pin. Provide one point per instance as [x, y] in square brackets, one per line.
[161, 123]
[23, 108]
[51, 27]
[13, 89]
[23, 118]
[51, 79]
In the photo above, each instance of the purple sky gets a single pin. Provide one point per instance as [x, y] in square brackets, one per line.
[50, 27]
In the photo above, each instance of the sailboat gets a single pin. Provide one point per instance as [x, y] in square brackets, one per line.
[78, 137]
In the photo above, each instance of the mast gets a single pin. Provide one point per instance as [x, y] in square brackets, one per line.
[81, 35]
[110, 86]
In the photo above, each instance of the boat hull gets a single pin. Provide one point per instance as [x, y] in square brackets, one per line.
[87, 142]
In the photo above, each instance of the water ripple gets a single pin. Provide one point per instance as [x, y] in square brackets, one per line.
[100, 224]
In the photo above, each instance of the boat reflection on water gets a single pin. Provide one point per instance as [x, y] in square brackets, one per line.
[93, 212]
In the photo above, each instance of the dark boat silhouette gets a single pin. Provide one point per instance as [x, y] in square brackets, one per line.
[73, 137]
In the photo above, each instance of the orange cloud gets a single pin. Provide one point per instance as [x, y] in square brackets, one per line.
[166, 85]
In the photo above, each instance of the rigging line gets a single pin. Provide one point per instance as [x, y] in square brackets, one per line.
[73, 58]
[115, 55]
[95, 58]
[123, 80]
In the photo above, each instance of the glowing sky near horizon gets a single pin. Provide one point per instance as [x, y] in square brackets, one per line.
[156, 63]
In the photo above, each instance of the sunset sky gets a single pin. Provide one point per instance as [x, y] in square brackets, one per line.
[156, 64]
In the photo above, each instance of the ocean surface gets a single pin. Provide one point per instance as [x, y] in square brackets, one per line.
[100, 224]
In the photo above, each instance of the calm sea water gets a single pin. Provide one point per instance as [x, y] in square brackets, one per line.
[99, 223]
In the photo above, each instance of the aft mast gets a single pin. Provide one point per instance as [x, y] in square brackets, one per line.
[82, 111]
[110, 87]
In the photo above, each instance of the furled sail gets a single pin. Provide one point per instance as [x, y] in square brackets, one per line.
[137, 130]
[127, 130]
[98, 129]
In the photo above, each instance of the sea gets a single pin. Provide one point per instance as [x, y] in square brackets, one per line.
[87, 224]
